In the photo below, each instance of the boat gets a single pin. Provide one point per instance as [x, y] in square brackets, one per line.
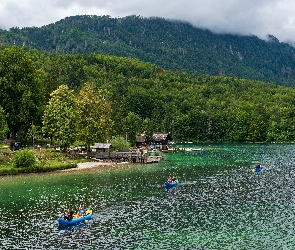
[171, 184]
[75, 220]
[256, 170]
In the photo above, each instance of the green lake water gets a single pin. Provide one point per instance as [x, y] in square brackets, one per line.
[219, 204]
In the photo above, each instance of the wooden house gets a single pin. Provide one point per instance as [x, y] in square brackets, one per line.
[160, 140]
[101, 147]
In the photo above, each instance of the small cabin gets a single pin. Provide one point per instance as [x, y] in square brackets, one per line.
[101, 147]
[160, 140]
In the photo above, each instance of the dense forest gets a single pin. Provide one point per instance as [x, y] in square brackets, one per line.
[93, 97]
[170, 44]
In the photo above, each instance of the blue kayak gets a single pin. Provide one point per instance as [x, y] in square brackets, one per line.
[73, 221]
[171, 184]
[256, 170]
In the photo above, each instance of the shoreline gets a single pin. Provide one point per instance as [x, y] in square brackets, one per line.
[99, 166]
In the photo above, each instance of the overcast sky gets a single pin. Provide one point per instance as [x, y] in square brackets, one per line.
[258, 17]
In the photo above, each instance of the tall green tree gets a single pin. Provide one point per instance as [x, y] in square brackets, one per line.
[21, 93]
[132, 126]
[94, 116]
[3, 124]
[60, 116]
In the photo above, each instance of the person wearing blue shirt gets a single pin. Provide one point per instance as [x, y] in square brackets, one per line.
[82, 210]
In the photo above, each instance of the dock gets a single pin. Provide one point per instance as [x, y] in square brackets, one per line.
[134, 157]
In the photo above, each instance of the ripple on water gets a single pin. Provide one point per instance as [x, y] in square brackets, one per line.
[219, 204]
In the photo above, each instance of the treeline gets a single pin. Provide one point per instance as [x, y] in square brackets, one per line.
[170, 44]
[93, 98]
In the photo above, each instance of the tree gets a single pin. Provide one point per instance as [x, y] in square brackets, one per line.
[132, 125]
[60, 116]
[21, 93]
[94, 116]
[33, 132]
[119, 144]
[3, 124]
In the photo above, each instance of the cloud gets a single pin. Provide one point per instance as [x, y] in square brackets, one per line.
[260, 18]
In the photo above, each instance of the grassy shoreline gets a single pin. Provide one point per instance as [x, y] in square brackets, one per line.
[47, 160]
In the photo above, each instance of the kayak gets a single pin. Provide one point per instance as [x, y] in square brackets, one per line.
[76, 220]
[171, 184]
[256, 170]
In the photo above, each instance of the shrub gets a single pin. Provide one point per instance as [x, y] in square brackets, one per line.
[119, 144]
[24, 159]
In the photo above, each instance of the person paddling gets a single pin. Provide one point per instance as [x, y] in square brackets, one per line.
[68, 215]
[257, 168]
[82, 210]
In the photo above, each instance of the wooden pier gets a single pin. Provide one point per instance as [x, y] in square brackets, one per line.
[135, 157]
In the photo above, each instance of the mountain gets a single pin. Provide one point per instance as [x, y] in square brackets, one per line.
[170, 44]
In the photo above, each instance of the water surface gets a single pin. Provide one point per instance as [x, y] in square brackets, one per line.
[219, 204]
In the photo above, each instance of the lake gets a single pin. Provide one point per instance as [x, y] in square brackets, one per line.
[219, 203]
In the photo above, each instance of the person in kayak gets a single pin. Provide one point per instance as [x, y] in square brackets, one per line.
[68, 215]
[82, 211]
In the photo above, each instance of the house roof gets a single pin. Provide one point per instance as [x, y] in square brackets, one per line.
[102, 145]
[161, 136]
[141, 138]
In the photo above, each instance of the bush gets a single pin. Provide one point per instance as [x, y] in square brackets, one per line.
[24, 159]
[119, 144]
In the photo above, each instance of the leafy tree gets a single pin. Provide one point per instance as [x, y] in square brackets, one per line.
[21, 93]
[3, 124]
[33, 132]
[94, 116]
[147, 128]
[120, 144]
[132, 125]
[60, 116]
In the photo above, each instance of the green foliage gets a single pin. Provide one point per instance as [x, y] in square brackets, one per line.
[93, 118]
[34, 132]
[60, 116]
[24, 159]
[46, 161]
[127, 97]
[21, 93]
[132, 125]
[119, 144]
[3, 124]
[170, 44]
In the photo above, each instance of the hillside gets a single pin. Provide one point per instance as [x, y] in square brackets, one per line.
[170, 44]
[135, 96]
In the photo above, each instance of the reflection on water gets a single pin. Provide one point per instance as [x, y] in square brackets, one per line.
[219, 203]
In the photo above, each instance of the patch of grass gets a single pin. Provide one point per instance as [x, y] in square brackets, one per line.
[47, 160]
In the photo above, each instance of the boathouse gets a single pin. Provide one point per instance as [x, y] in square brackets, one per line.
[160, 140]
[101, 147]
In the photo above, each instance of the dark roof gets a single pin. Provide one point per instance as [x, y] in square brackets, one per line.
[141, 138]
[161, 136]
[102, 145]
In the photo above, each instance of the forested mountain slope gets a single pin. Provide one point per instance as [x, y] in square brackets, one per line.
[139, 97]
[169, 44]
